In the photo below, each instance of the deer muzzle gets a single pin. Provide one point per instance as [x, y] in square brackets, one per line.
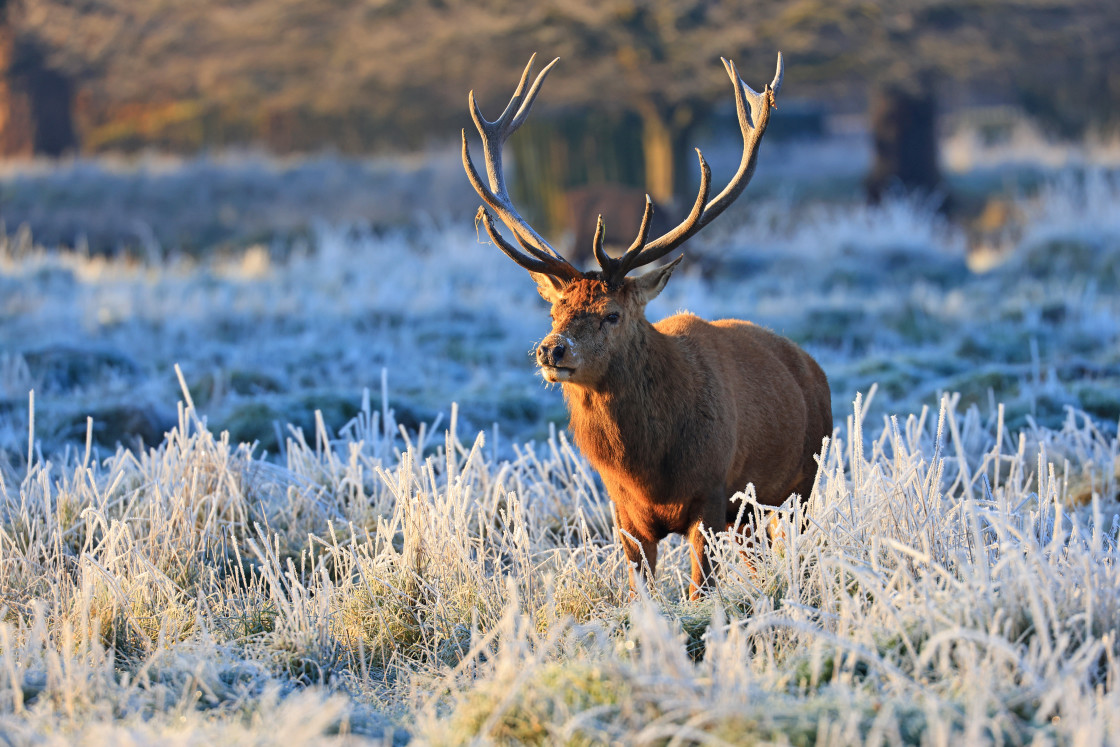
[556, 358]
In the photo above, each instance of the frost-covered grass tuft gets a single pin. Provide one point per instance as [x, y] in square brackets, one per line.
[307, 549]
[948, 585]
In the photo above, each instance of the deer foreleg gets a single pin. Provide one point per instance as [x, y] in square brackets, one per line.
[710, 521]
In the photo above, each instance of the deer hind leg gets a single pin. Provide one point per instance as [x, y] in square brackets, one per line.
[641, 558]
[702, 565]
[743, 535]
[701, 561]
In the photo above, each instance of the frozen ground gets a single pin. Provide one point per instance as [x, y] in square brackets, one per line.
[341, 580]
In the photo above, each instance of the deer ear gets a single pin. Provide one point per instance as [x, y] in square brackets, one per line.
[651, 284]
[548, 286]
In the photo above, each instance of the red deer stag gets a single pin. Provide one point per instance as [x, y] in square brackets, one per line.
[675, 416]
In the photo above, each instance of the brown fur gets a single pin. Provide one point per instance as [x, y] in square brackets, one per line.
[678, 416]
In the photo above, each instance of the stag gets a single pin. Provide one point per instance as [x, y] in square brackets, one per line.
[676, 416]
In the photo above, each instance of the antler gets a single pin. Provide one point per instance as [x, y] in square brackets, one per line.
[753, 110]
[538, 255]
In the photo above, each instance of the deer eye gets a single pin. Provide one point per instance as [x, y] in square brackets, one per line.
[611, 318]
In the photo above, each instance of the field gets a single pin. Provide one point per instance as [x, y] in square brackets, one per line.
[238, 502]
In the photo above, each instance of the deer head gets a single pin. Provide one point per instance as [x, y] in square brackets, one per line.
[594, 323]
[597, 316]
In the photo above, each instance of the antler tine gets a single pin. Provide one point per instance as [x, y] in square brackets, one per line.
[510, 217]
[635, 248]
[531, 96]
[494, 193]
[547, 265]
[666, 243]
[779, 73]
[514, 105]
[496, 132]
[643, 229]
[601, 256]
[753, 110]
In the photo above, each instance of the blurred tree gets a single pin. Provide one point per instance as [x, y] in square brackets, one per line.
[371, 73]
[903, 120]
[35, 100]
[1059, 58]
[658, 64]
[15, 119]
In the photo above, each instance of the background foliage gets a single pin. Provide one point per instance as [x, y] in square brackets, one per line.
[370, 73]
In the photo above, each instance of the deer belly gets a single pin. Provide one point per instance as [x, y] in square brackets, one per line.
[657, 521]
[653, 518]
[770, 476]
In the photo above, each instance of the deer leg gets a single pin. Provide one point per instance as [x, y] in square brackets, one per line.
[744, 539]
[641, 554]
[712, 519]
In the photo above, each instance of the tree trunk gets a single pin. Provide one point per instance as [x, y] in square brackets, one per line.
[904, 133]
[657, 149]
[16, 131]
[36, 102]
[669, 155]
[52, 97]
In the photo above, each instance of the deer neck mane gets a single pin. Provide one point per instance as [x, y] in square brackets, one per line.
[626, 420]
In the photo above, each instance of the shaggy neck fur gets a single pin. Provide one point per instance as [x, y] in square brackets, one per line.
[625, 421]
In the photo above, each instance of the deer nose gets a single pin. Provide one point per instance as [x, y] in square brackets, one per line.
[549, 354]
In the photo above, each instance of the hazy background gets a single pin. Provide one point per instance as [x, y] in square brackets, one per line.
[910, 93]
[269, 193]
